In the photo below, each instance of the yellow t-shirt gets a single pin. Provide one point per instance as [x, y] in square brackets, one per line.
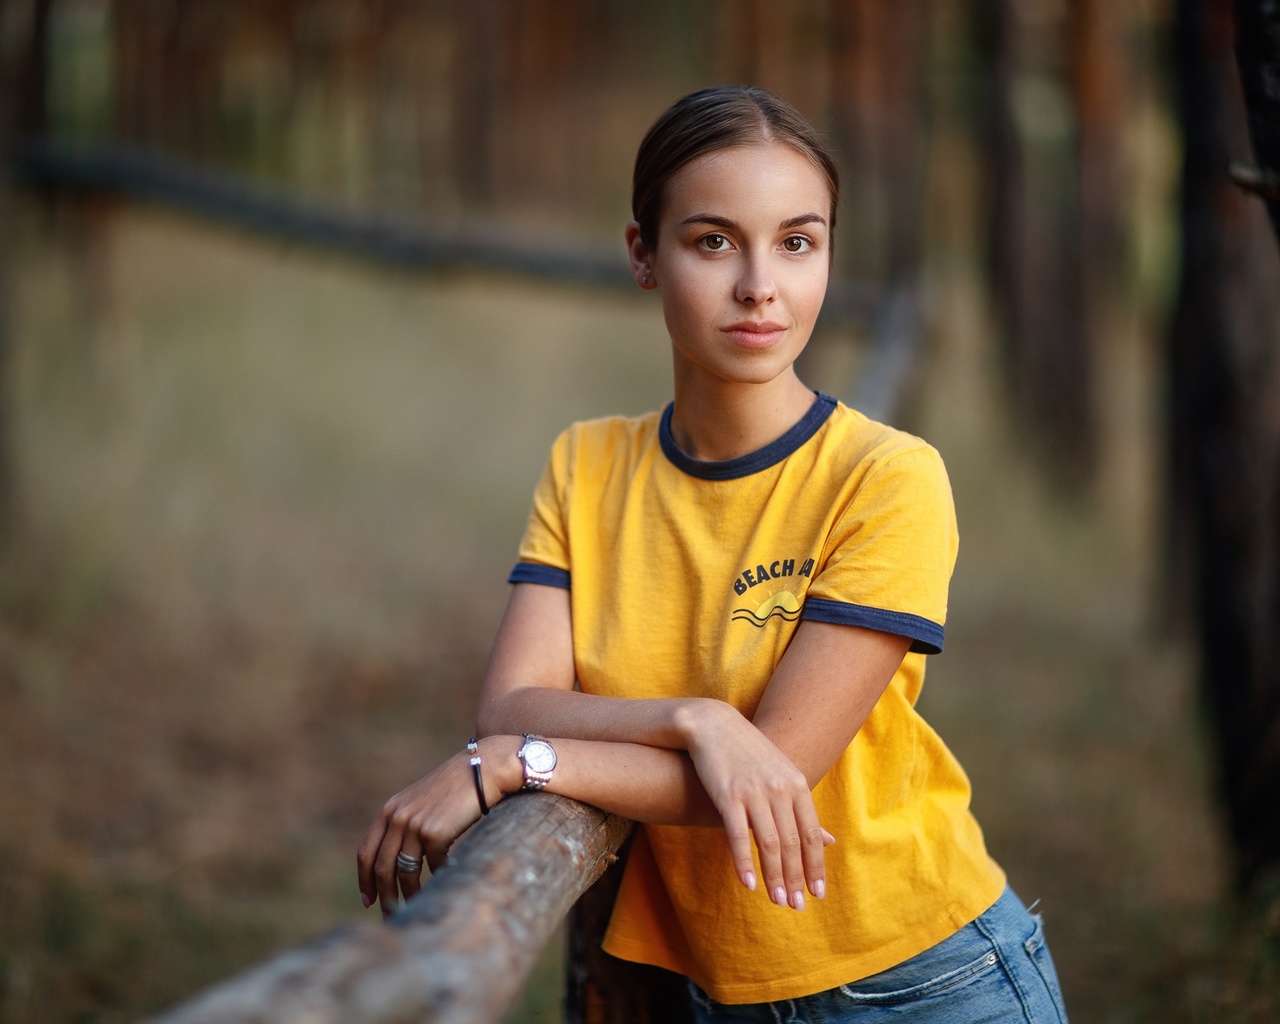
[688, 578]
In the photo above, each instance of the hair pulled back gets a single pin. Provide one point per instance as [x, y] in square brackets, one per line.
[711, 119]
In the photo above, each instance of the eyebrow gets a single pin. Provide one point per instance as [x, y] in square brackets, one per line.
[725, 222]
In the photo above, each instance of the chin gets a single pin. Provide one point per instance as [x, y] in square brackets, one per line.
[737, 368]
[760, 373]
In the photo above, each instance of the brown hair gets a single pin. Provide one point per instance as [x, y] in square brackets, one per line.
[712, 119]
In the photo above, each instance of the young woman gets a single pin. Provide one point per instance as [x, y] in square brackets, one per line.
[719, 622]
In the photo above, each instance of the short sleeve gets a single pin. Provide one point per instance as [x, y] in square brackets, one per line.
[544, 550]
[888, 559]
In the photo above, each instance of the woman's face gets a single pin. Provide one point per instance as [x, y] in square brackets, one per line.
[741, 261]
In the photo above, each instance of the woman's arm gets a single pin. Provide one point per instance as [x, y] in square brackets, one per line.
[818, 697]
[752, 778]
[528, 685]
[756, 774]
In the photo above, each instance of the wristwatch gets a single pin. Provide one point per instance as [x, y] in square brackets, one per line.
[539, 760]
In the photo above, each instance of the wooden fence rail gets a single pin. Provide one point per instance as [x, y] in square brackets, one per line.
[458, 953]
[399, 239]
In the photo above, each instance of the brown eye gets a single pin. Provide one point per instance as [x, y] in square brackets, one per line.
[796, 244]
[714, 243]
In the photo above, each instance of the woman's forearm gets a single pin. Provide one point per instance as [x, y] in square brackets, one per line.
[547, 711]
[647, 784]
[749, 788]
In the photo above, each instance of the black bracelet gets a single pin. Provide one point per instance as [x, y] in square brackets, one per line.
[474, 750]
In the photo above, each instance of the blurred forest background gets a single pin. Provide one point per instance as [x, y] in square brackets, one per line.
[296, 294]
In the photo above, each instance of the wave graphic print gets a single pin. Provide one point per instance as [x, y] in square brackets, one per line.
[782, 605]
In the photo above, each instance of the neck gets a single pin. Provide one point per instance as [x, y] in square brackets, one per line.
[715, 421]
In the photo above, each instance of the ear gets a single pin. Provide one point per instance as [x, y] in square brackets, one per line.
[640, 257]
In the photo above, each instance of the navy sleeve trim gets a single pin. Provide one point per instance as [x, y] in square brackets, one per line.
[532, 572]
[926, 635]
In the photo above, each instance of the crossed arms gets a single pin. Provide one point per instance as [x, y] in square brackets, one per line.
[686, 761]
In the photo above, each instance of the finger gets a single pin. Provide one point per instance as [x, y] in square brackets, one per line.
[384, 870]
[790, 849]
[410, 881]
[366, 855]
[813, 838]
[410, 884]
[739, 835]
[769, 850]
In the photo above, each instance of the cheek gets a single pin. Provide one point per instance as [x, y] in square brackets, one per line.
[687, 295]
[680, 309]
[819, 293]
[809, 291]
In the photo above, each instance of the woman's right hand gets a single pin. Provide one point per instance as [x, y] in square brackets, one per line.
[758, 793]
[424, 819]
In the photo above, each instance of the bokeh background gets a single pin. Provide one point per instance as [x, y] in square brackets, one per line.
[297, 293]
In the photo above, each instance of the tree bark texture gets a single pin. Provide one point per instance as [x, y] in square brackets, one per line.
[1224, 427]
[458, 953]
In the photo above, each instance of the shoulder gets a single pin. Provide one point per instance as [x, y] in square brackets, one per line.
[606, 437]
[872, 454]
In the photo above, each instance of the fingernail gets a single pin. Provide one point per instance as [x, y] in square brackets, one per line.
[820, 889]
[366, 899]
[797, 900]
[780, 896]
[749, 880]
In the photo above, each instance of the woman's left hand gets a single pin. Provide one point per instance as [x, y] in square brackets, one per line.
[423, 821]
[761, 795]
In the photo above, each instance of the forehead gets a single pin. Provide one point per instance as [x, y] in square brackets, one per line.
[768, 176]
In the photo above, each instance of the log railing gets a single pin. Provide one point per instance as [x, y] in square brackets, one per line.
[399, 240]
[458, 953]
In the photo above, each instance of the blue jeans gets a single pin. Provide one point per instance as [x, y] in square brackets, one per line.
[996, 970]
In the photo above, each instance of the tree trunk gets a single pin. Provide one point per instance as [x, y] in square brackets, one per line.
[24, 113]
[1258, 59]
[1033, 237]
[1224, 433]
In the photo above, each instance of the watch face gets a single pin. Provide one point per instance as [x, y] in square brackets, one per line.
[539, 756]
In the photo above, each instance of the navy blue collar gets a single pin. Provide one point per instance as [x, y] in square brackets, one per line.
[753, 462]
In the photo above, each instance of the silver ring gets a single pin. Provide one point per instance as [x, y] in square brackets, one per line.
[407, 865]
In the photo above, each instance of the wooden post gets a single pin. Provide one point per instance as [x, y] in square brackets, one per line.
[601, 989]
[458, 953]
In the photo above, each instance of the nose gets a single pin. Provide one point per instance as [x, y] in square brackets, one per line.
[756, 286]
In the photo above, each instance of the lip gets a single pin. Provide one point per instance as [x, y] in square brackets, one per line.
[755, 333]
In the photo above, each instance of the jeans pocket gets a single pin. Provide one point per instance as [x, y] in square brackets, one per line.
[867, 994]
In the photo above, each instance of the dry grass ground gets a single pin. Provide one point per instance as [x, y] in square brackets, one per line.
[268, 504]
